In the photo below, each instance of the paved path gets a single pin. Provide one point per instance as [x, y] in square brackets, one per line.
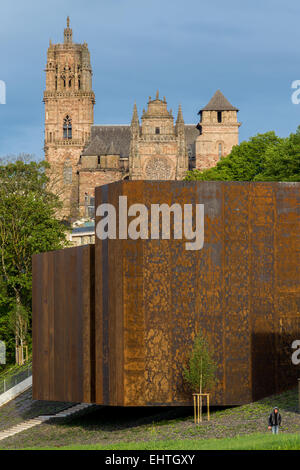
[41, 419]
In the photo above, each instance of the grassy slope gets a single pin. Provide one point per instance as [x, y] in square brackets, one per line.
[23, 408]
[249, 442]
[122, 426]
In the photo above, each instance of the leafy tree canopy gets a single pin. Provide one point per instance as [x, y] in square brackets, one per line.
[28, 225]
[265, 157]
[200, 371]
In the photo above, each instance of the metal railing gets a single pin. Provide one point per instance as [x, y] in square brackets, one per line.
[14, 378]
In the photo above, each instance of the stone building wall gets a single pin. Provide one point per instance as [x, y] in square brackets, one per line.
[83, 156]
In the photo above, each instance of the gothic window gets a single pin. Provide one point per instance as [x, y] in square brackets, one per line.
[219, 116]
[220, 151]
[157, 130]
[70, 83]
[55, 83]
[79, 84]
[67, 128]
[67, 172]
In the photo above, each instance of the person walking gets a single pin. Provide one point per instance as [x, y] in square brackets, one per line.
[275, 420]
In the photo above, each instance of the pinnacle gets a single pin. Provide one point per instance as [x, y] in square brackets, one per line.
[135, 117]
[179, 115]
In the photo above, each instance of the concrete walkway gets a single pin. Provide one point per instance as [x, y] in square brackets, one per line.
[41, 419]
[13, 392]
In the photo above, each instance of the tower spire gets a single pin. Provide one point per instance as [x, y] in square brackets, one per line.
[135, 117]
[179, 127]
[68, 33]
[179, 116]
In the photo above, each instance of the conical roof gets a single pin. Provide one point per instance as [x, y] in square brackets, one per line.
[219, 103]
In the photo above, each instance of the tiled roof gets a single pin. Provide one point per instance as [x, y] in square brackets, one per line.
[102, 138]
[219, 103]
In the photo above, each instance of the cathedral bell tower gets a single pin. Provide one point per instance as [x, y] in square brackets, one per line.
[219, 131]
[69, 107]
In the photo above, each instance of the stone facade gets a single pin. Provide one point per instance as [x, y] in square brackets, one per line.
[219, 131]
[69, 102]
[158, 148]
[83, 155]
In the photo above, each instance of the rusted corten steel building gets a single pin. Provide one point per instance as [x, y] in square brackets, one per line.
[113, 324]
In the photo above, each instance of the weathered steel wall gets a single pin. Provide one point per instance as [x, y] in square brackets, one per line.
[151, 296]
[63, 325]
[242, 289]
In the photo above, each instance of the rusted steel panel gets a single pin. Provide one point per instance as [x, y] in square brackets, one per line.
[230, 289]
[63, 325]
[242, 289]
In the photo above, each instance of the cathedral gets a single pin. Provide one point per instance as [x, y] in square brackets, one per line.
[83, 155]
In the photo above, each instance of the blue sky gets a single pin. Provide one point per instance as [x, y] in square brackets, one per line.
[187, 49]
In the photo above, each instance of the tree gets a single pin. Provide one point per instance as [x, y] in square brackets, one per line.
[255, 160]
[28, 225]
[283, 162]
[200, 371]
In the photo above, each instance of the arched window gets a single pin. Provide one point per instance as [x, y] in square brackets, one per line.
[67, 172]
[220, 151]
[67, 128]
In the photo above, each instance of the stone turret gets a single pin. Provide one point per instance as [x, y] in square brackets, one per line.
[219, 131]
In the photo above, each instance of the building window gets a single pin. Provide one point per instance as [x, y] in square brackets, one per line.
[67, 173]
[79, 84]
[67, 128]
[220, 151]
[219, 116]
[157, 130]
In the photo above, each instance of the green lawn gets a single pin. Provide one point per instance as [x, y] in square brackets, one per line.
[244, 427]
[250, 442]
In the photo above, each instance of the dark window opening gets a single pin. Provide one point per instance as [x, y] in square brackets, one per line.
[67, 128]
[98, 159]
[157, 130]
[219, 116]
